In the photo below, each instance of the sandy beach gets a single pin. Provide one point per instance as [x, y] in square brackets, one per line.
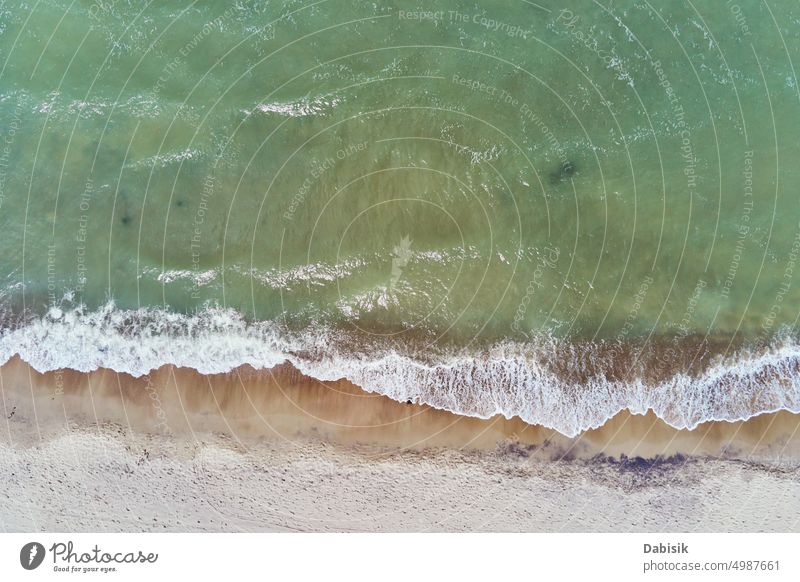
[100, 481]
[273, 450]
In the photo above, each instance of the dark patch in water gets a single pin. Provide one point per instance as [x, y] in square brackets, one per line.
[564, 172]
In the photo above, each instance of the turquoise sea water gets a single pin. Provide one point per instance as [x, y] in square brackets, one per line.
[369, 188]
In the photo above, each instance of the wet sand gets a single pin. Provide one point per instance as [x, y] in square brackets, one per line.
[273, 450]
[283, 405]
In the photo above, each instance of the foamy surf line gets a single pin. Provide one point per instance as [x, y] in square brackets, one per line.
[513, 380]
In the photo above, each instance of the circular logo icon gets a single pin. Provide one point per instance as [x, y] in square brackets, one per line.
[31, 555]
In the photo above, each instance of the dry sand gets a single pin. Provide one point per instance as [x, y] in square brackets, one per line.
[277, 451]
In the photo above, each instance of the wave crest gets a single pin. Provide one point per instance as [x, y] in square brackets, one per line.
[567, 387]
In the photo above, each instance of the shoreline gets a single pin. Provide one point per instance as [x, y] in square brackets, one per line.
[281, 404]
[568, 385]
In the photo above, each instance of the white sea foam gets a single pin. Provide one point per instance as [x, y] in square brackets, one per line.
[300, 107]
[136, 342]
[508, 379]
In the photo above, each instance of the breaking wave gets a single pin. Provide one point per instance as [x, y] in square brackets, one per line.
[570, 387]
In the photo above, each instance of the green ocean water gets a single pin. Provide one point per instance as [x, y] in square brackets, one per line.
[479, 171]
